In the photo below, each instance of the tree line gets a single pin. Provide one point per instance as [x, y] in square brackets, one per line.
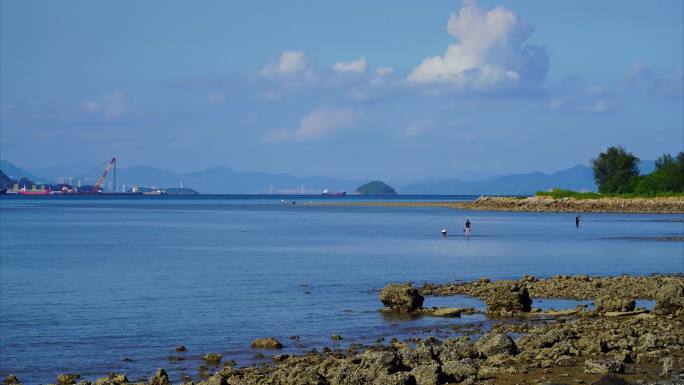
[616, 171]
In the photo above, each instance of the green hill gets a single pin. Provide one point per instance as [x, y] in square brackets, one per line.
[376, 187]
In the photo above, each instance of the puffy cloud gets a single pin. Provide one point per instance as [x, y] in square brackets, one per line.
[488, 55]
[359, 66]
[667, 87]
[290, 64]
[112, 106]
[319, 123]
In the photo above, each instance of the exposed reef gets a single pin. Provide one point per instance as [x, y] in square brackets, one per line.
[613, 343]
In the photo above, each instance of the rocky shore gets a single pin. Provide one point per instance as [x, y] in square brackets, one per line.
[563, 286]
[658, 205]
[663, 205]
[613, 343]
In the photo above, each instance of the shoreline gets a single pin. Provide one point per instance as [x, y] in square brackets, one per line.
[657, 205]
[523, 345]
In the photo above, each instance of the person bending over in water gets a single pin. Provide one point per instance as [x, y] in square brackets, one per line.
[467, 228]
[577, 221]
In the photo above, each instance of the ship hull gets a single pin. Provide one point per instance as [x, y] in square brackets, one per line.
[33, 192]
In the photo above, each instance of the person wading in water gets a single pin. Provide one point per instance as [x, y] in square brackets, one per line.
[467, 228]
[577, 221]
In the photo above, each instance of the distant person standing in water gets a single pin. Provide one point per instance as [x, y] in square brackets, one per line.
[577, 221]
[467, 228]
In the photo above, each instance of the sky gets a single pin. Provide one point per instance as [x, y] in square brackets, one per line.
[398, 90]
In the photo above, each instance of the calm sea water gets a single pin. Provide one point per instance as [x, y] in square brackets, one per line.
[87, 282]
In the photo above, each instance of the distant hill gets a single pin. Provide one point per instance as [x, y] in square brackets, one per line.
[579, 178]
[223, 180]
[214, 180]
[376, 187]
[5, 181]
[17, 173]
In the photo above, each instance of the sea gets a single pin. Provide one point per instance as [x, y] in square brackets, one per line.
[98, 285]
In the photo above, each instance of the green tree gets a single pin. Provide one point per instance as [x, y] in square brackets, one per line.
[651, 184]
[663, 161]
[616, 171]
[671, 172]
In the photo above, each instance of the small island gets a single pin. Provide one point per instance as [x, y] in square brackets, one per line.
[376, 187]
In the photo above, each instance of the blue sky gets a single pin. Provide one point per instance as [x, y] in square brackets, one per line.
[400, 90]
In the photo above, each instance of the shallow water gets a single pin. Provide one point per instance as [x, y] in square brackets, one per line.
[85, 282]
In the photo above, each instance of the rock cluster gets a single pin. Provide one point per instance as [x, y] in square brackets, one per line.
[495, 344]
[603, 366]
[507, 298]
[266, 343]
[611, 304]
[160, 378]
[67, 379]
[586, 346]
[213, 358]
[592, 346]
[670, 299]
[401, 298]
[665, 287]
[11, 379]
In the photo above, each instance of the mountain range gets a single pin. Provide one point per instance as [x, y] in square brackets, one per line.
[223, 180]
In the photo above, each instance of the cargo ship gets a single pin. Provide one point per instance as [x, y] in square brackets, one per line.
[24, 191]
[337, 194]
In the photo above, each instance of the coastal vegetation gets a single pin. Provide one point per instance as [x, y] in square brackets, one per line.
[616, 172]
[560, 194]
[617, 175]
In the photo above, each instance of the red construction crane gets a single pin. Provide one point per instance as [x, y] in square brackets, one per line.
[102, 178]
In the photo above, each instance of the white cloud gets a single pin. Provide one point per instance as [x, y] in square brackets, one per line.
[216, 97]
[290, 64]
[489, 53]
[669, 87]
[572, 94]
[319, 123]
[636, 73]
[358, 96]
[112, 106]
[599, 106]
[382, 71]
[359, 66]
[414, 129]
